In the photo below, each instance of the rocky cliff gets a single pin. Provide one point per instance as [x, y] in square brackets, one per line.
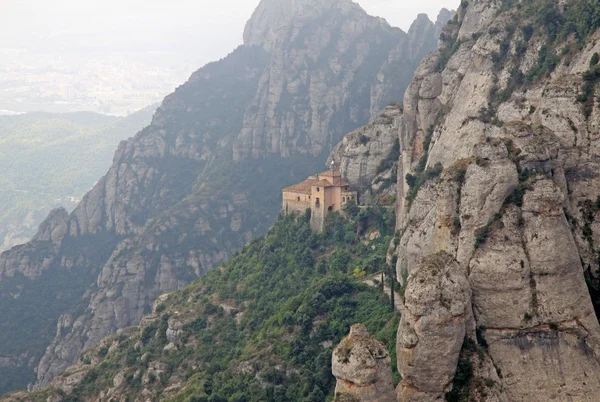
[499, 170]
[51, 160]
[497, 210]
[261, 327]
[368, 156]
[362, 368]
[198, 183]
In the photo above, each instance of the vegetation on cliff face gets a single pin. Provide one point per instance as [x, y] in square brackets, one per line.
[516, 82]
[44, 158]
[261, 327]
[202, 179]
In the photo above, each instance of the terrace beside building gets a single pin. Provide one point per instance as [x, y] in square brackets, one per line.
[322, 193]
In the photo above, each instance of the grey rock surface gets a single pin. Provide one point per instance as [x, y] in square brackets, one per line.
[362, 368]
[436, 318]
[512, 208]
[367, 157]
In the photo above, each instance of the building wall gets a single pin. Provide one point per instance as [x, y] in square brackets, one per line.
[317, 219]
[318, 201]
[295, 202]
[348, 196]
[336, 198]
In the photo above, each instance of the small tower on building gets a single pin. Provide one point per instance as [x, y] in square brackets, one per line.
[322, 193]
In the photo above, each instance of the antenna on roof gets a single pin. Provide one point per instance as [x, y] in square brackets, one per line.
[334, 169]
[334, 166]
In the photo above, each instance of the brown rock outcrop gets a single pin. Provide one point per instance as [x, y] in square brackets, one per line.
[435, 321]
[362, 368]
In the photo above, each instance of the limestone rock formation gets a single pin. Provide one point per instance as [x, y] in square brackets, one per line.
[320, 99]
[196, 184]
[367, 157]
[498, 168]
[362, 368]
[421, 36]
[436, 318]
[54, 228]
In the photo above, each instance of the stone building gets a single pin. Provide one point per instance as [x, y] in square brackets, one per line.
[322, 193]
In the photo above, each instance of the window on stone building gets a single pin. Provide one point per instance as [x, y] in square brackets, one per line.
[318, 202]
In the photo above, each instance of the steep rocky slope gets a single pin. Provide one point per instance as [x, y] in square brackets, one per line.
[261, 327]
[200, 181]
[497, 204]
[499, 171]
[51, 160]
[368, 156]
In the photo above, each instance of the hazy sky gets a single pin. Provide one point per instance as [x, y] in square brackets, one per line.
[204, 28]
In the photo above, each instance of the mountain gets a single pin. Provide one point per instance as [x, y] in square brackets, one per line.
[52, 160]
[261, 327]
[200, 181]
[497, 208]
[495, 241]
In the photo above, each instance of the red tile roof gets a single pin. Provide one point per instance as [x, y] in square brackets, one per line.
[302, 188]
[331, 173]
[322, 183]
[305, 187]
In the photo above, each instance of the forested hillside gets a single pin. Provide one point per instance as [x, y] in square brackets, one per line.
[261, 327]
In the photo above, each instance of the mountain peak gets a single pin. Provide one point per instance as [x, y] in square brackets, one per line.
[445, 15]
[422, 17]
[271, 16]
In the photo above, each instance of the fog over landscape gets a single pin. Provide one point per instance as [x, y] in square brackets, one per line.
[116, 57]
[299, 200]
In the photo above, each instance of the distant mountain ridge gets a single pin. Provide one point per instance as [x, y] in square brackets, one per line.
[204, 177]
[50, 160]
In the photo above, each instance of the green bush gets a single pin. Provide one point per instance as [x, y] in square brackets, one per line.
[293, 291]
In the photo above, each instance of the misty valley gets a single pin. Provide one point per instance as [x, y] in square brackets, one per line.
[332, 209]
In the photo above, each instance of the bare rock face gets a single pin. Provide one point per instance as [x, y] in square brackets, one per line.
[51, 233]
[436, 318]
[271, 17]
[197, 183]
[54, 228]
[324, 98]
[367, 157]
[296, 108]
[506, 185]
[363, 369]
[405, 57]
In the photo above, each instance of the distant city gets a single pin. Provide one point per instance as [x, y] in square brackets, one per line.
[115, 84]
